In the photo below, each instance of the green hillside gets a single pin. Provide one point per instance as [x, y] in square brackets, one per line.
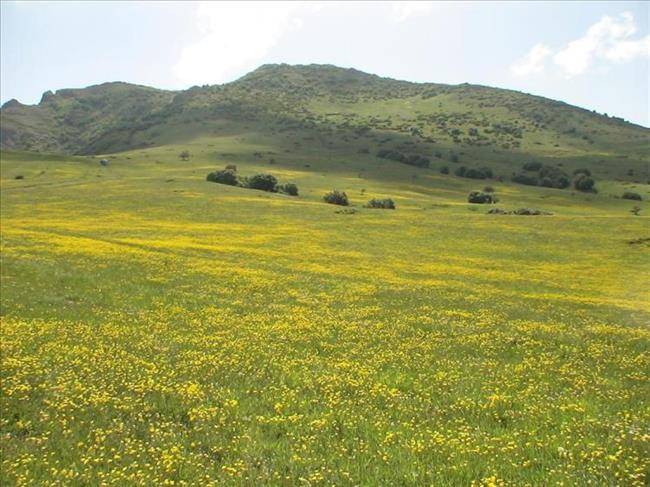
[332, 106]
[162, 329]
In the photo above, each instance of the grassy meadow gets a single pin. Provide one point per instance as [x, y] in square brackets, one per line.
[158, 329]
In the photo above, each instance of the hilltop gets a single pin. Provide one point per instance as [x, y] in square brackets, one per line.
[318, 102]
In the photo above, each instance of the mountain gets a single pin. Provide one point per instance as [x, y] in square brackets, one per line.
[326, 101]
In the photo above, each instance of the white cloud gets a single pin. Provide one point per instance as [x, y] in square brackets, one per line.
[533, 62]
[607, 41]
[235, 36]
[402, 11]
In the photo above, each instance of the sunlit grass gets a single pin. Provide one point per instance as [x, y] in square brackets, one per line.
[181, 332]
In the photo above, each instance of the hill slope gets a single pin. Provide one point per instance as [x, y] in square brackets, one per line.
[158, 328]
[334, 103]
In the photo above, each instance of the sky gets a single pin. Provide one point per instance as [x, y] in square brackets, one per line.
[590, 54]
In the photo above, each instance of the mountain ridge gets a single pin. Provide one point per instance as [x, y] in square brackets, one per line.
[114, 116]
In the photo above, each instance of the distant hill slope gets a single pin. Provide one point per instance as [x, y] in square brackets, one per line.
[327, 101]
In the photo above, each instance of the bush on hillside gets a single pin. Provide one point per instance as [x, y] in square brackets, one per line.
[481, 197]
[231, 167]
[555, 177]
[630, 195]
[412, 160]
[530, 211]
[532, 166]
[584, 183]
[225, 176]
[584, 171]
[386, 203]
[288, 188]
[444, 170]
[391, 154]
[474, 173]
[336, 198]
[488, 189]
[184, 155]
[263, 182]
[417, 161]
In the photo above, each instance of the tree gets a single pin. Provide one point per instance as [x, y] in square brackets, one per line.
[264, 182]
[336, 198]
[225, 176]
[184, 155]
[583, 183]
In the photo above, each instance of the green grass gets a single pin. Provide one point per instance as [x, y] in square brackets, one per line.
[158, 328]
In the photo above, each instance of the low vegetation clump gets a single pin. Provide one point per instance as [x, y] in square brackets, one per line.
[261, 181]
[412, 160]
[288, 188]
[224, 176]
[385, 203]
[525, 178]
[520, 211]
[444, 170]
[184, 155]
[537, 174]
[336, 197]
[530, 211]
[533, 166]
[584, 183]
[630, 195]
[481, 198]
[474, 173]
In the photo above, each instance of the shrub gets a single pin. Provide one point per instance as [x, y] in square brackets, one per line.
[454, 158]
[336, 198]
[532, 166]
[226, 176]
[385, 203]
[583, 183]
[288, 188]
[184, 155]
[413, 159]
[630, 195]
[264, 182]
[546, 182]
[523, 178]
[480, 197]
[558, 178]
[584, 171]
[530, 211]
[488, 189]
[231, 167]
[391, 154]
[19, 176]
[416, 160]
[486, 171]
[444, 170]
[474, 173]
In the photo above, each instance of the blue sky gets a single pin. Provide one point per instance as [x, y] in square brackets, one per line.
[593, 55]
